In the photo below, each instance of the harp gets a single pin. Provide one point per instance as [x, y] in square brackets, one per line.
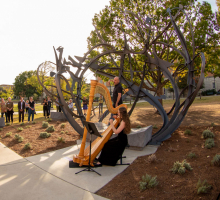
[83, 157]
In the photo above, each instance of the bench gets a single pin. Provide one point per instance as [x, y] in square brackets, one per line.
[2, 122]
[57, 116]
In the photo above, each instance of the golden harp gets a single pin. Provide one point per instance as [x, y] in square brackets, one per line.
[83, 157]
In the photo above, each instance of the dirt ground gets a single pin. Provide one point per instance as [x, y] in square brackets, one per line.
[126, 184]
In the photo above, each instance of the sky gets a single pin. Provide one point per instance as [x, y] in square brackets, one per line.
[30, 29]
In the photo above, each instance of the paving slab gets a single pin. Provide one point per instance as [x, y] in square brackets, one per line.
[8, 157]
[57, 163]
[26, 181]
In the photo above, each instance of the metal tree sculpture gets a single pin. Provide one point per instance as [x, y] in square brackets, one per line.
[152, 62]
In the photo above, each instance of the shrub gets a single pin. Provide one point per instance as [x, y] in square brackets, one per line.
[180, 168]
[208, 134]
[33, 122]
[45, 124]
[62, 132]
[188, 132]
[19, 138]
[22, 124]
[27, 146]
[66, 132]
[155, 126]
[139, 126]
[60, 139]
[27, 126]
[216, 160]
[49, 120]
[152, 158]
[62, 125]
[7, 124]
[212, 124]
[8, 134]
[50, 129]
[209, 143]
[45, 135]
[191, 155]
[148, 182]
[1, 129]
[203, 188]
[20, 129]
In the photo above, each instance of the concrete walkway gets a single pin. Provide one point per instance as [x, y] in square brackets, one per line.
[48, 176]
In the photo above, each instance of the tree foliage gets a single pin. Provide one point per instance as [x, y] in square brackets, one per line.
[112, 24]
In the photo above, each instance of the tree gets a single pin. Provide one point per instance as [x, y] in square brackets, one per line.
[112, 25]
[6, 93]
[21, 87]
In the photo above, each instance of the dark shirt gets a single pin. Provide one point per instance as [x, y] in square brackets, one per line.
[31, 104]
[45, 104]
[85, 102]
[117, 89]
[49, 104]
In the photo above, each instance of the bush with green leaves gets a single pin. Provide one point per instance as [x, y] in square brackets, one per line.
[20, 129]
[45, 135]
[203, 187]
[60, 139]
[148, 182]
[212, 124]
[191, 155]
[62, 132]
[19, 138]
[50, 129]
[8, 134]
[216, 160]
[27, 146]
[27, 126]
[33, 122]
[7, 124]
[62, 125]
[207, 134]
[155, 126]
[49, 120]
[188, 132]
[181, 167]
[22, 124]
[45, 124]
[209, 143]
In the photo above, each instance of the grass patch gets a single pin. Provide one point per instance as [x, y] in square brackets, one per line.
[155, 126]
[203, 187]
[181, 168]
[8, 134]
[1, 129]
[207, 134]
[45, 124]
[27, 146]
[60, 139]
[22, 124]
[20, 129]
[191, 155]
[19, 138]
[50, 129]
[209, 143]
[62, 125]
[216, 160]
[45, 135]
[7, 124]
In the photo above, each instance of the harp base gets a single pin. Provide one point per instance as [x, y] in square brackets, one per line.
[89, 168]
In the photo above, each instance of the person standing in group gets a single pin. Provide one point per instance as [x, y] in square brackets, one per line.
[10, 111]
[100, 105]
[4, 109]
[31, 109]
[70, 105]
[45, 106]
[21, 107]
[85, 103]
[26, 107]
[48, 106]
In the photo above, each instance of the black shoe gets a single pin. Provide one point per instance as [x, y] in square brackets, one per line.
[97, 165]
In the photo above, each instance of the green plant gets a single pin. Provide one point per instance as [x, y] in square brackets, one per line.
[139, 126]
[49, 120]
[155, 126]
[20, 129]
[7, 124]
[27, 126]
[33, 122]
[180, 168]
[66, 132]
[62, 132]
[152, 158]
[212, 124]
[62, 125]
[209, 143]
[1, 129]
[45, 124]
[207, 134]
[8, 134]
[27, 146]
[216, 160]
[148, 182]
[19, 138]
[188, 132]
[50, 129]
[203, 187]
[22, 124]
[60, 139]
[45, 135]
[191, 155]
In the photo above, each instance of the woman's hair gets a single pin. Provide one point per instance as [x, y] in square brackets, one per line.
[125, 117]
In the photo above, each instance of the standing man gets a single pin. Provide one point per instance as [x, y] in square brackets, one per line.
[21, 108]
[48, 106]
[117, 92]
[10, 111]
